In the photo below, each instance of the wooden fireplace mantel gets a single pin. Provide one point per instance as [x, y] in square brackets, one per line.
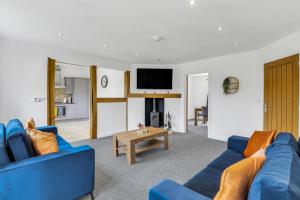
[154, 95]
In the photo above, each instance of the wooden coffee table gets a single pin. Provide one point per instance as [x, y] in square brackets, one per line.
[125, 142]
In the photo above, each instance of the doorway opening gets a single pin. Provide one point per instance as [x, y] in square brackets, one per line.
[197, 104]
[72, 101]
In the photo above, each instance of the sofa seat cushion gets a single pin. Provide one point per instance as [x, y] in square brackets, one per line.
[279, 177]
[286, 138]
[62, 144]
[206, 182]
[226, 159]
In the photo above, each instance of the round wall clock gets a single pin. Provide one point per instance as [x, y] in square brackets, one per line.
[104, 81]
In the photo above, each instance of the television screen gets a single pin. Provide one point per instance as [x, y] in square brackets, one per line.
[154, 78]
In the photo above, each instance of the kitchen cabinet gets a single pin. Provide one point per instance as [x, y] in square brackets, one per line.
[71, 111]
[69, 85]
[59, 80]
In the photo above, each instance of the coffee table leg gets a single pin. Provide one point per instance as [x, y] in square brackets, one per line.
[131, 152]
[166, 141]
[115, 146]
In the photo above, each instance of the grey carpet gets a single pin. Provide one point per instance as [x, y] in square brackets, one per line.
[198, 130]
[116, 180]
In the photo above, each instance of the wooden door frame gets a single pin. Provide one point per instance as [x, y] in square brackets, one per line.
[93, 102]
[295, 60]
[92, 94]
[186, 101]
[51, 92]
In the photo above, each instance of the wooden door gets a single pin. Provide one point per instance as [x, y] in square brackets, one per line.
[281, 95]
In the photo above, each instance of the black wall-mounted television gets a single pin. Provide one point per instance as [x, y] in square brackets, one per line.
[154, 78]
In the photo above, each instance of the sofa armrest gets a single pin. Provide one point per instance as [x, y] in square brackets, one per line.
[64, 175]
[237, 143]
[170, 190]
[49, 129]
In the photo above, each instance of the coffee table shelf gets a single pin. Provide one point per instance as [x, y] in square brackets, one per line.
[139, 149]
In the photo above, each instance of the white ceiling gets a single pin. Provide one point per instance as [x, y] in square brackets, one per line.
[127, 26]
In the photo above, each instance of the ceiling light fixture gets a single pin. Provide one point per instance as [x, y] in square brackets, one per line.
[136, 54]
[104, 45]
[60, 34]
[236, 43]
[220, 28]
[157, 38]
[192, 2]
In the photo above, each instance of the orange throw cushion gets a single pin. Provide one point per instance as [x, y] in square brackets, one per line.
[43, 142]
[236, 179]
[30, 124]
[258, 140]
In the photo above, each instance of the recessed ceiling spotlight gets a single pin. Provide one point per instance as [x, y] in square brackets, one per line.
[159, 60]
[104, 45]
[136, 53]
[192, 2]
[220, 28]
[60, 34]
[236, 43]
[157, 38]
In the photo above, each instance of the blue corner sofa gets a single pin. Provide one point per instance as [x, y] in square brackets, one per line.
[66, 175]
[278, 179]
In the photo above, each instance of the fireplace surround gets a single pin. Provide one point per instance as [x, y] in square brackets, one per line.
[154, 112]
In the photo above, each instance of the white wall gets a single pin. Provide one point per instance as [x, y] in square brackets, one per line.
[197, 92]
[136, 112]
[115, 86]
[226, 112]
[23, 75]
[111, 116]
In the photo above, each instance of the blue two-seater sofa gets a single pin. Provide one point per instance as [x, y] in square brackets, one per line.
[66, 175]
[278, 179]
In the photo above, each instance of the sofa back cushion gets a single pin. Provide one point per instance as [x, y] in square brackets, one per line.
[285, 138]
[2, 134]
[13, 126]
[4, 159]
[279, 177]
[18, 144]
[258, 140]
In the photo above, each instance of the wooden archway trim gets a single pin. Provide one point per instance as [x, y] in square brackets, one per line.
[93, 102]
[51, 92]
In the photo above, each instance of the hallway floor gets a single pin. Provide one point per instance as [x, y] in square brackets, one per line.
[74, 130]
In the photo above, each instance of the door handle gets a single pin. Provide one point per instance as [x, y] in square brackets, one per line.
[265, 108]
